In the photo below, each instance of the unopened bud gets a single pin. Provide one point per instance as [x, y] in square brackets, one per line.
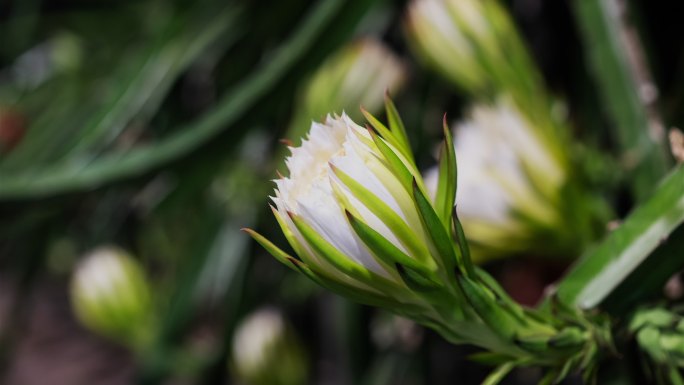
[267, 352]
[111, 297]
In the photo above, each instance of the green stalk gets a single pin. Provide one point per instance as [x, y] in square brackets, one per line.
[67, 177]
[615, 59]
[644, 250]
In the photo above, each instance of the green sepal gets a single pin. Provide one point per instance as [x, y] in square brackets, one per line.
[674, 376]
[499, 374]
[568, 338]
[502, 298]
[485, 305]
[490, 358]
[417, 281]
[651, 317]
[369, 298]
[383, 249]
[462, 243]
[298, 248]
[589, 365]
[473, 331]
[549, 377]
[386, 134]
[394, 163]
[320, 278]
[301, 267]
[272, 249]
[343, 263]
[353, 293]
[534, 343]
[446, 184]
[435, 229]
[387, 215]
[396, 125]
[568, 366]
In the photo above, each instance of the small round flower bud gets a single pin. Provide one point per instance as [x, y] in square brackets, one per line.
[472, 43]
[111, 297]
[358, 74]
[267, 352]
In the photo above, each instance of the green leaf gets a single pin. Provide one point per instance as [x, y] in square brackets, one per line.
[675, 376]
[498, 374]
[603, 31]
[67, 177]
[397, 128]
[446, 184]
[641, 241]
[77, 128]
[490, 358]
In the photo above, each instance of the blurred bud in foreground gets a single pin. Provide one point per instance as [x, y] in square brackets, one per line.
[472, 43]
[511, 192]
[660, 334]
[357, 75]
[110, 296]
[267, 352]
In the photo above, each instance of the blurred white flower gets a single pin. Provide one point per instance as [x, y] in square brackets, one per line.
[442, 44]
[110, 296]
[357, 75]
[509, 182]
[266, 351]
[472, 43]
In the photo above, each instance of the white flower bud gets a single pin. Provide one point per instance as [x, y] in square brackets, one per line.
[358, 74]
[443, 45]
[266, 351]
[111, 297]
[472, 43]
[315, 192]
[356, 212]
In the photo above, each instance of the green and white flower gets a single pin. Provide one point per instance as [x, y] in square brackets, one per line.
[355, 210]
[110, 296]
[337, 177]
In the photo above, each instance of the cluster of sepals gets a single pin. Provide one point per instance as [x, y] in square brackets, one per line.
[660, 335]
[442, 288]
